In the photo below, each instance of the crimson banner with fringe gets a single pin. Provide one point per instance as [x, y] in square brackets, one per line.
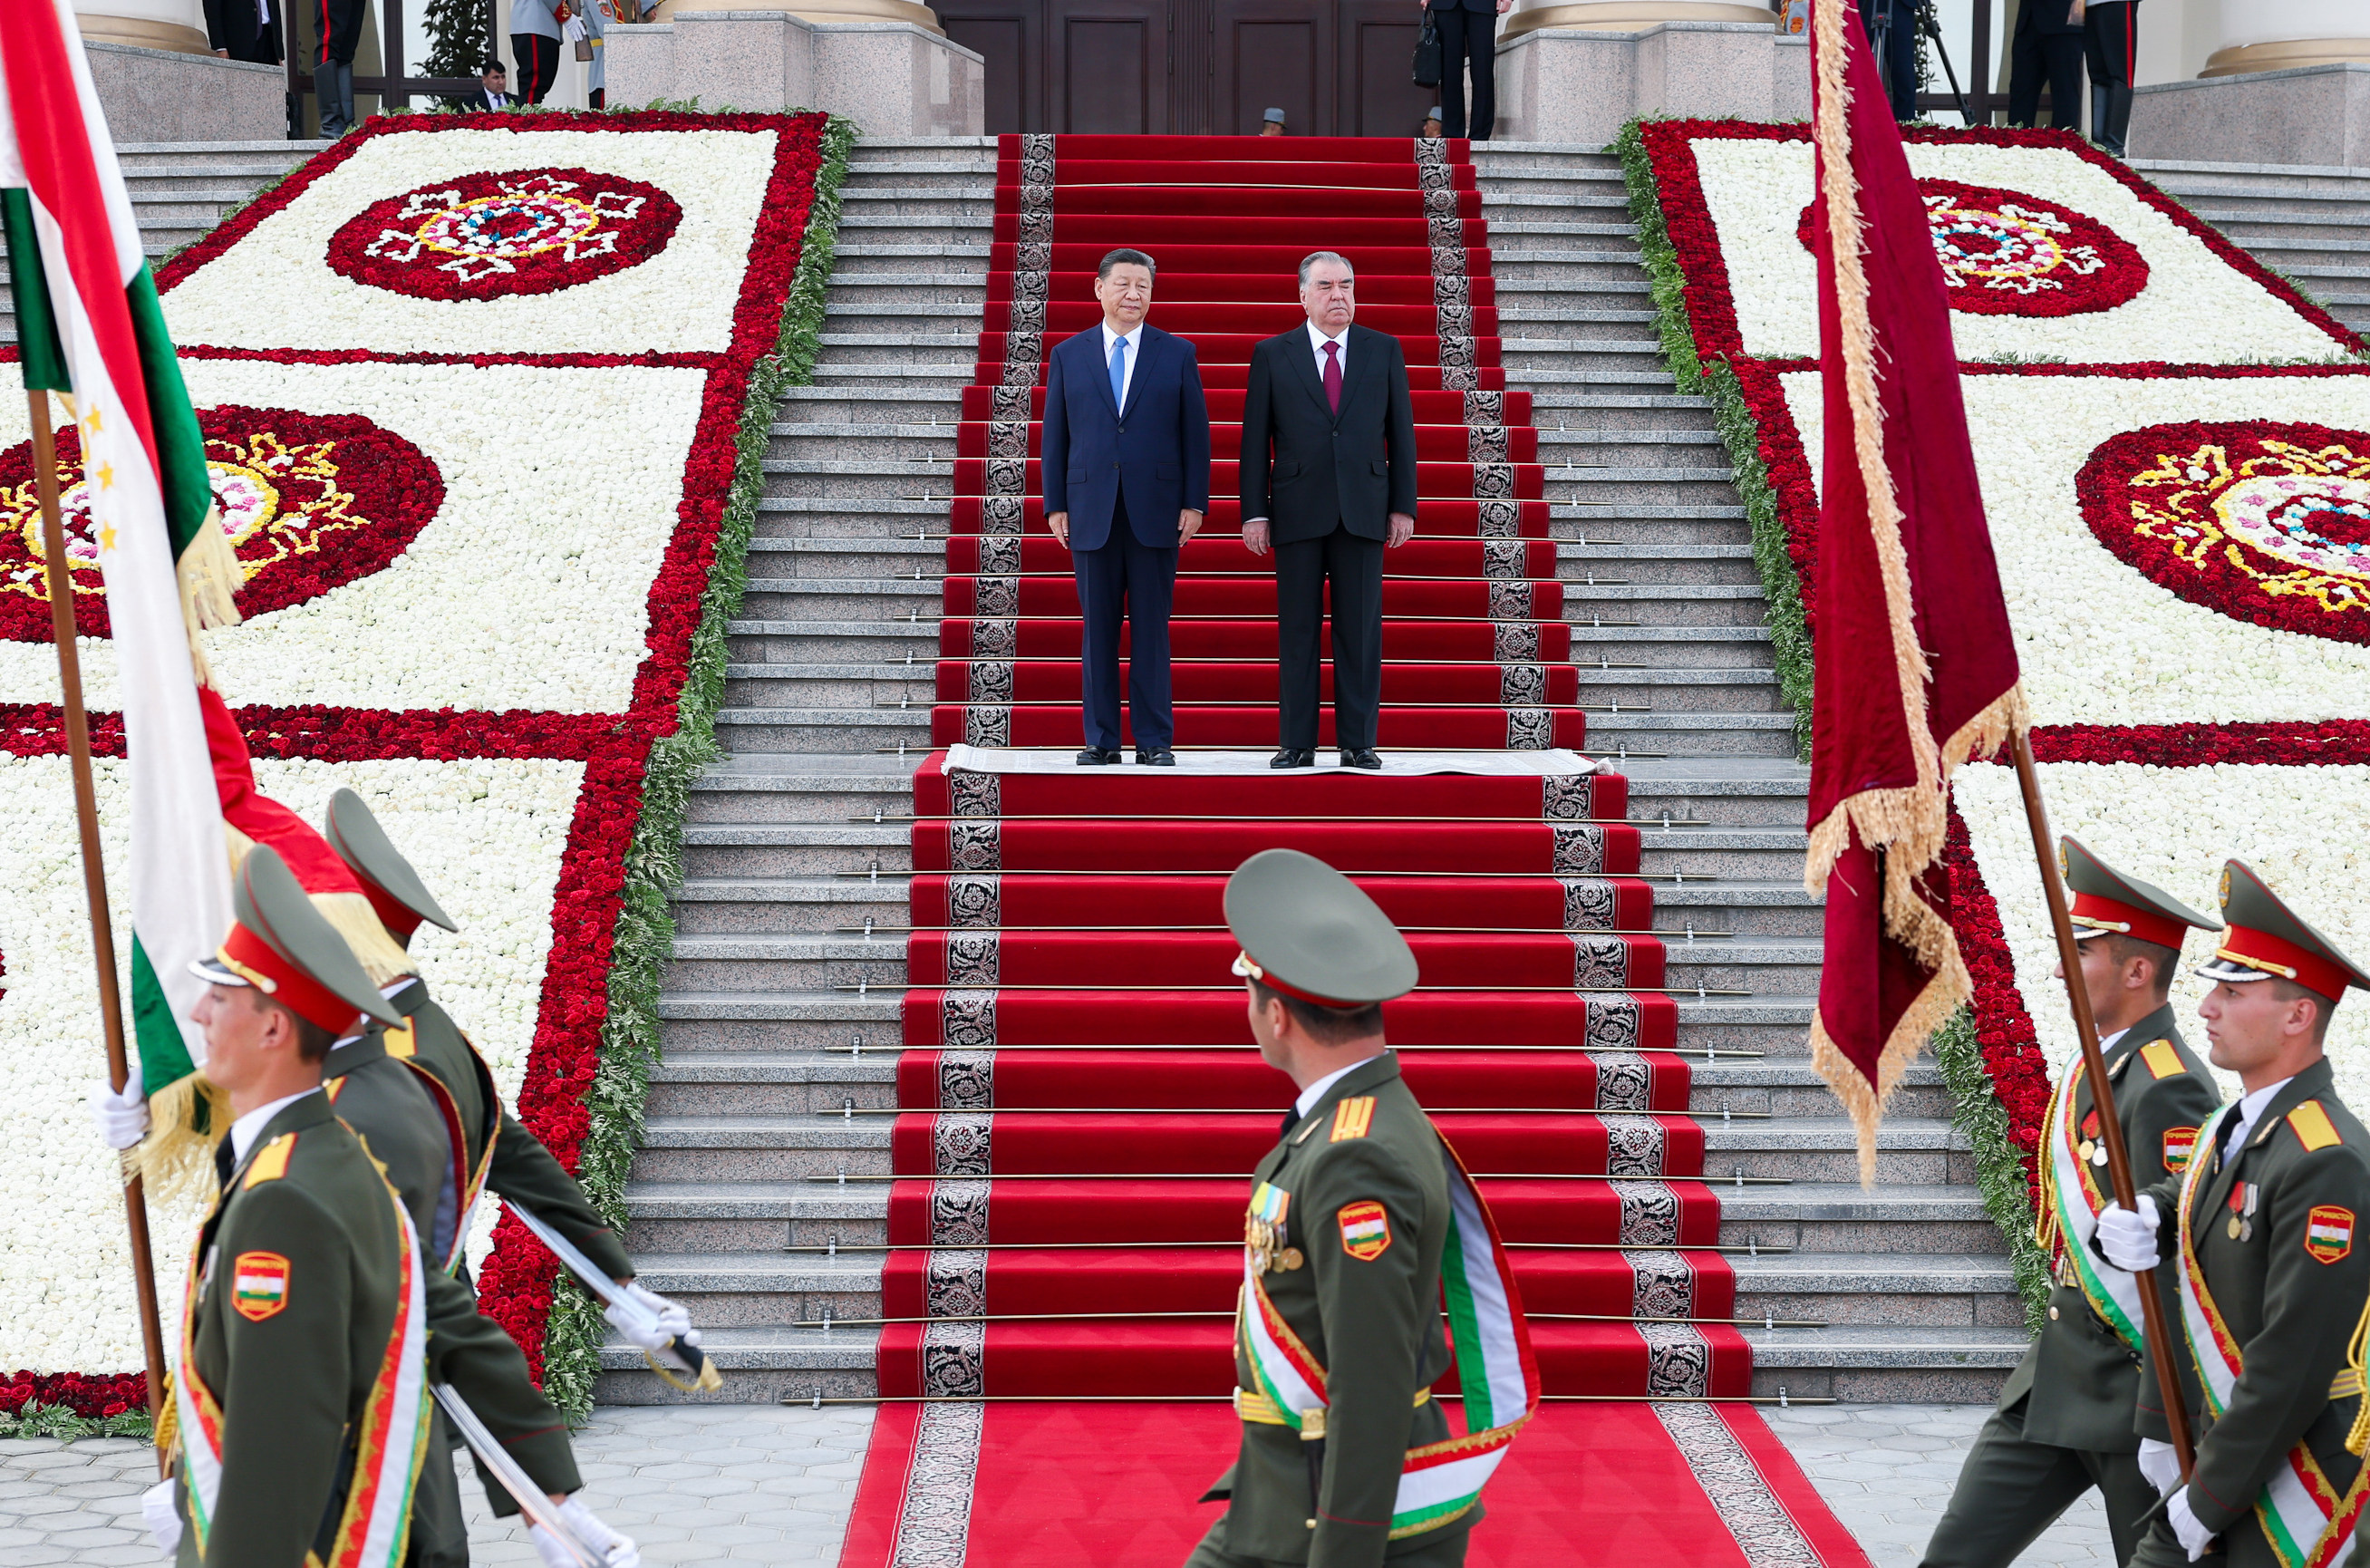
[1916, 668]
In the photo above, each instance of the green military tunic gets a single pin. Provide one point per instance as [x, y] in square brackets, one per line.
[293, 1373]
[2064, 1424]
[394, 1111]
[1370, 1315]
[2292, 1299]
[521, 1170]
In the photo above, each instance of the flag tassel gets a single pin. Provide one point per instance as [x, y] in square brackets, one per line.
[94, 873]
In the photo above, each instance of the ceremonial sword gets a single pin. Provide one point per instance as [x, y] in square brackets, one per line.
[679, 1355]
[532, 1501]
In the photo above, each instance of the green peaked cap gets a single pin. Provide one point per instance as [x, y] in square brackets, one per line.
[1308, 931]
[354, 833]
[2268, 938]
[278, 937]
[2106, 900]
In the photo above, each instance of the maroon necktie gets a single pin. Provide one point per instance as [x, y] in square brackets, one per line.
[1333, 377]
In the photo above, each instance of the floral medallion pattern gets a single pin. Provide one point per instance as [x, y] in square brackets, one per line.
[2269, 524]
[485, 236]
[308, 502]
[2012, 253]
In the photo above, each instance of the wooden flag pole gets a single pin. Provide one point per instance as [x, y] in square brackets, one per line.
[94, 877]
[2102, 1093]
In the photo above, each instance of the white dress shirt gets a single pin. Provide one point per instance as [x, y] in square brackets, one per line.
[1316, 1091]
[243, 1131]
[2250, 1110]
[1135, 341]
[1317, 341]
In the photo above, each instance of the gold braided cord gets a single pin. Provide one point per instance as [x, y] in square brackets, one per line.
[2356, 1367]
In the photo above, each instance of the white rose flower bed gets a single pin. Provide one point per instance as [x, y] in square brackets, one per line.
[2196, 307]
[487, 835]
[2099, 642]
[275, 289]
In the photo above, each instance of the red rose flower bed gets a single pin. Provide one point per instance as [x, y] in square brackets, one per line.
[309, 501]
[2012, 253]
[520, 231]
[2267, 523]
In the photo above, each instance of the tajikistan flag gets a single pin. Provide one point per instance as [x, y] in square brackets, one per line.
[89, 328]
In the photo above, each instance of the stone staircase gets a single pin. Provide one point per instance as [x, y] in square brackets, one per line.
[2312, 225]
[764, 1058]
[1910, 1279]
[180, 189]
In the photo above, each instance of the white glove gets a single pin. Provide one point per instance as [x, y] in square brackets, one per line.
[122, 1119]
[673, 1322]
[2158, 1465]
[615, 1549]
[2129, 1240]
[157, 1513]
[2191, 1534]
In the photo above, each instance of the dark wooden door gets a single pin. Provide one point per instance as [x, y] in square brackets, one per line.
[1194, 67]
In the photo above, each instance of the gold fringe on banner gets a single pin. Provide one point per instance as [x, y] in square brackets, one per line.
[186, 1119]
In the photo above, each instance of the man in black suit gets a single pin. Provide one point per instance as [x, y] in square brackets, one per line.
[1127, 481]
[494, 87]
[2048, 43]
[244, 29]
[1329, 483]
[1468, 30]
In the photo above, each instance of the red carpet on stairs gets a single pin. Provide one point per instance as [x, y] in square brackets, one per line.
[1080, 1101]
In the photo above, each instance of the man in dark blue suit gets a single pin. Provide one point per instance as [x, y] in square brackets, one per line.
[1127, 481]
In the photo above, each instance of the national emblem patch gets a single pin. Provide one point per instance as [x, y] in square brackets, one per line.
[1366, 1229]
[259, 1285]
[2328, 1233]
[2180, 1143]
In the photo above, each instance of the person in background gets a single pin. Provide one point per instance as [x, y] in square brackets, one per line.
[494, 83]
[1469, 29]
[535, 44]
[2111, 36]
[1430, 129]
[597, 17]
[333, 65]
[1897, 60]
[1272, 122]
[244, 29]
[2047, 44]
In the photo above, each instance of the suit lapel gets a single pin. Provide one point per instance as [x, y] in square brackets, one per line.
[1147, 349]
[1304, 364]
[2313, 1081]
[1092, 337]
[1370, 370]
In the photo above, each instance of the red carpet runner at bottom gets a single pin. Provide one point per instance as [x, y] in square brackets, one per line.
[1116, 1486]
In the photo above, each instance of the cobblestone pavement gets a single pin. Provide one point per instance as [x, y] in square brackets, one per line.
[762, 1484]
[701, 1484]
[1887, 1471]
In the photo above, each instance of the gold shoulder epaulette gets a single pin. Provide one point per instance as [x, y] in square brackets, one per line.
[2313, 1127]
[402, 1046]
[1352, 1117]
[271, 1161]
[2162, 1059]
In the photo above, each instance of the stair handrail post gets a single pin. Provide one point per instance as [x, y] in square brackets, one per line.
[2153, 1331]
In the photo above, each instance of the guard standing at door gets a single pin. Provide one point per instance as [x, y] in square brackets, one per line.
[2111, 37]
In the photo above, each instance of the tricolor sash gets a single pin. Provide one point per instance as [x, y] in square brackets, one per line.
[1496, 1374]
[390, 1440]
[468, 1184]
[2306, 1520]
[2072, 1200]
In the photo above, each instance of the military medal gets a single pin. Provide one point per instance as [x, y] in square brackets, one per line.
[1287, 1260]
[2241, 1226]
[2087, 1149]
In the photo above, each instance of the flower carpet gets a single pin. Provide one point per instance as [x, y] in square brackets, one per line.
[486, 463]
[2174, 447]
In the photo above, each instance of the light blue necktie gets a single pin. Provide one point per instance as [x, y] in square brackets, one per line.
[1119, 372]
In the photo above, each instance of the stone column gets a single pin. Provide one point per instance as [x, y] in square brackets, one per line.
[908, 11]
[176, 24]
[1625, 16]
[2283, 35]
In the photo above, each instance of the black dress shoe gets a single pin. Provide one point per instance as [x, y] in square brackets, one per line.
[1293, 756]
[1164, 757]
[1367, 758]
[1095, 757]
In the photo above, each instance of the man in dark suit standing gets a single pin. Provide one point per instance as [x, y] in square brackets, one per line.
[2048, 43]
[1329, 483]
[1126, 472]
[1468, 30]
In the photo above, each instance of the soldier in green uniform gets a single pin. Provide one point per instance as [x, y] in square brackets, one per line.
[299, 1400]
[2065, 1419]
[2271, 1275]
[499, 1154]
[1338, 1332]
